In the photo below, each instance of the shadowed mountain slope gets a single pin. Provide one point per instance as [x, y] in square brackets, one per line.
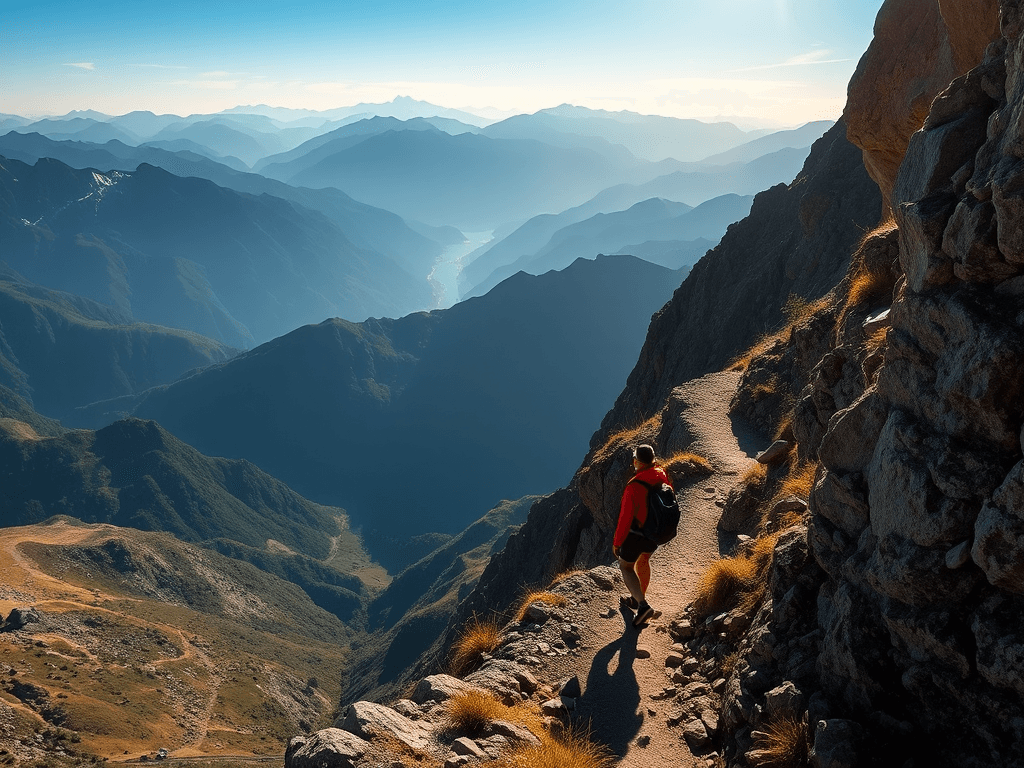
[60, 351]
[417, 424]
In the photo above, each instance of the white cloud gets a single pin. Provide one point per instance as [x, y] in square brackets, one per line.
[81, 65]
[801, 60]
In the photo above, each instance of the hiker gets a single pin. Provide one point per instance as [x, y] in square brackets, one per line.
[632, 549]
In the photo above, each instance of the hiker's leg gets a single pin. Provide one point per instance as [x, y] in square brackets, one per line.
[632, 580]
[643, 571]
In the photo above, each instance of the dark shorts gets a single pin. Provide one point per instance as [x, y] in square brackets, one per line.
[634, 546]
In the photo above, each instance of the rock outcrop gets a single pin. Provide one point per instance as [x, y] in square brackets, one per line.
[915, 413]
[918, 48]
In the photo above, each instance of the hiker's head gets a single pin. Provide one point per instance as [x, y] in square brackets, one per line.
[643, 456]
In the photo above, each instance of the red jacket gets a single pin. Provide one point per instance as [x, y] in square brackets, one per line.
[634, 502]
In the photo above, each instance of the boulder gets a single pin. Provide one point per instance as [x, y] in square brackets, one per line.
[367, 719]
[696, 735]
[19, 618]
[570, 687]
[514, 733]
[466, 746]
[328, 748]
[440, 688]
[774, 452]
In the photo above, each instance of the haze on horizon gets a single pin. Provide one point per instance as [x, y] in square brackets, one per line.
[762, 62]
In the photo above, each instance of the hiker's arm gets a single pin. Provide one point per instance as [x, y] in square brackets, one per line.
[629, 499]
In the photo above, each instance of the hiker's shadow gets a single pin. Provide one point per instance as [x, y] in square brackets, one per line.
[611, 698]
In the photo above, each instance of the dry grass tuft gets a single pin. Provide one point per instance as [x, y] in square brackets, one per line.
[473, 711]
[738, 581]
[683, 465]
[571, 750]
[389, 749]
[799, 481]
[480, 637]
[629, 437]
[720, 586]
[539, 596]
[876, 340]
[796, 310]
[756, 476]
[564, 575]
[742, 361]
[781, 743]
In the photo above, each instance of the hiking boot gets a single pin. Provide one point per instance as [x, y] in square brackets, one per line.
[644, 613]
[629, 601]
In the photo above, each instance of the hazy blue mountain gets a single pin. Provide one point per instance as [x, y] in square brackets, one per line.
[60, 351]
[187, 145]
[225, 139]
[402, 107]
[655, 219]
[186, 253]
[79, 129]
[553, 131]
[364, 225]
[417, 424]
[697, 186]
[803, 136]
[286, 165]
[693, 187]
[11, 122]
[649, 137]
[144, 124]
[470, 180]
[672, 254]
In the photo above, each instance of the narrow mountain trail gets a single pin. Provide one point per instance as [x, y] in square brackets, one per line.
[621, 669]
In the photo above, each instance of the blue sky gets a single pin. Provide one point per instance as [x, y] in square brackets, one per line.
[782, 62]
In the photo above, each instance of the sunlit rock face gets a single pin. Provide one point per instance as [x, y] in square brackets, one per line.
[919, 47]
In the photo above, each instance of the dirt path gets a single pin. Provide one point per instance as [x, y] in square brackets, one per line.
[618, 684]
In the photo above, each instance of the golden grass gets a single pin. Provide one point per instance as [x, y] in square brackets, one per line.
[782, 743]
[471, 712]
[721, 584]
[799, 481]
[629, 436]
[538, 596]
[796, 310]
[567, 575]
[738, 581]
[876, 340]
[571, 750]
[480, 637]
[756, 476]
[686, 464]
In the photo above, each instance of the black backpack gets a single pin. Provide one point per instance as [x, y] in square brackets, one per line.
[662, 513]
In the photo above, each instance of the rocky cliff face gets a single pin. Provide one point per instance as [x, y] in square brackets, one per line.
[914, 411]
[919, 510]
